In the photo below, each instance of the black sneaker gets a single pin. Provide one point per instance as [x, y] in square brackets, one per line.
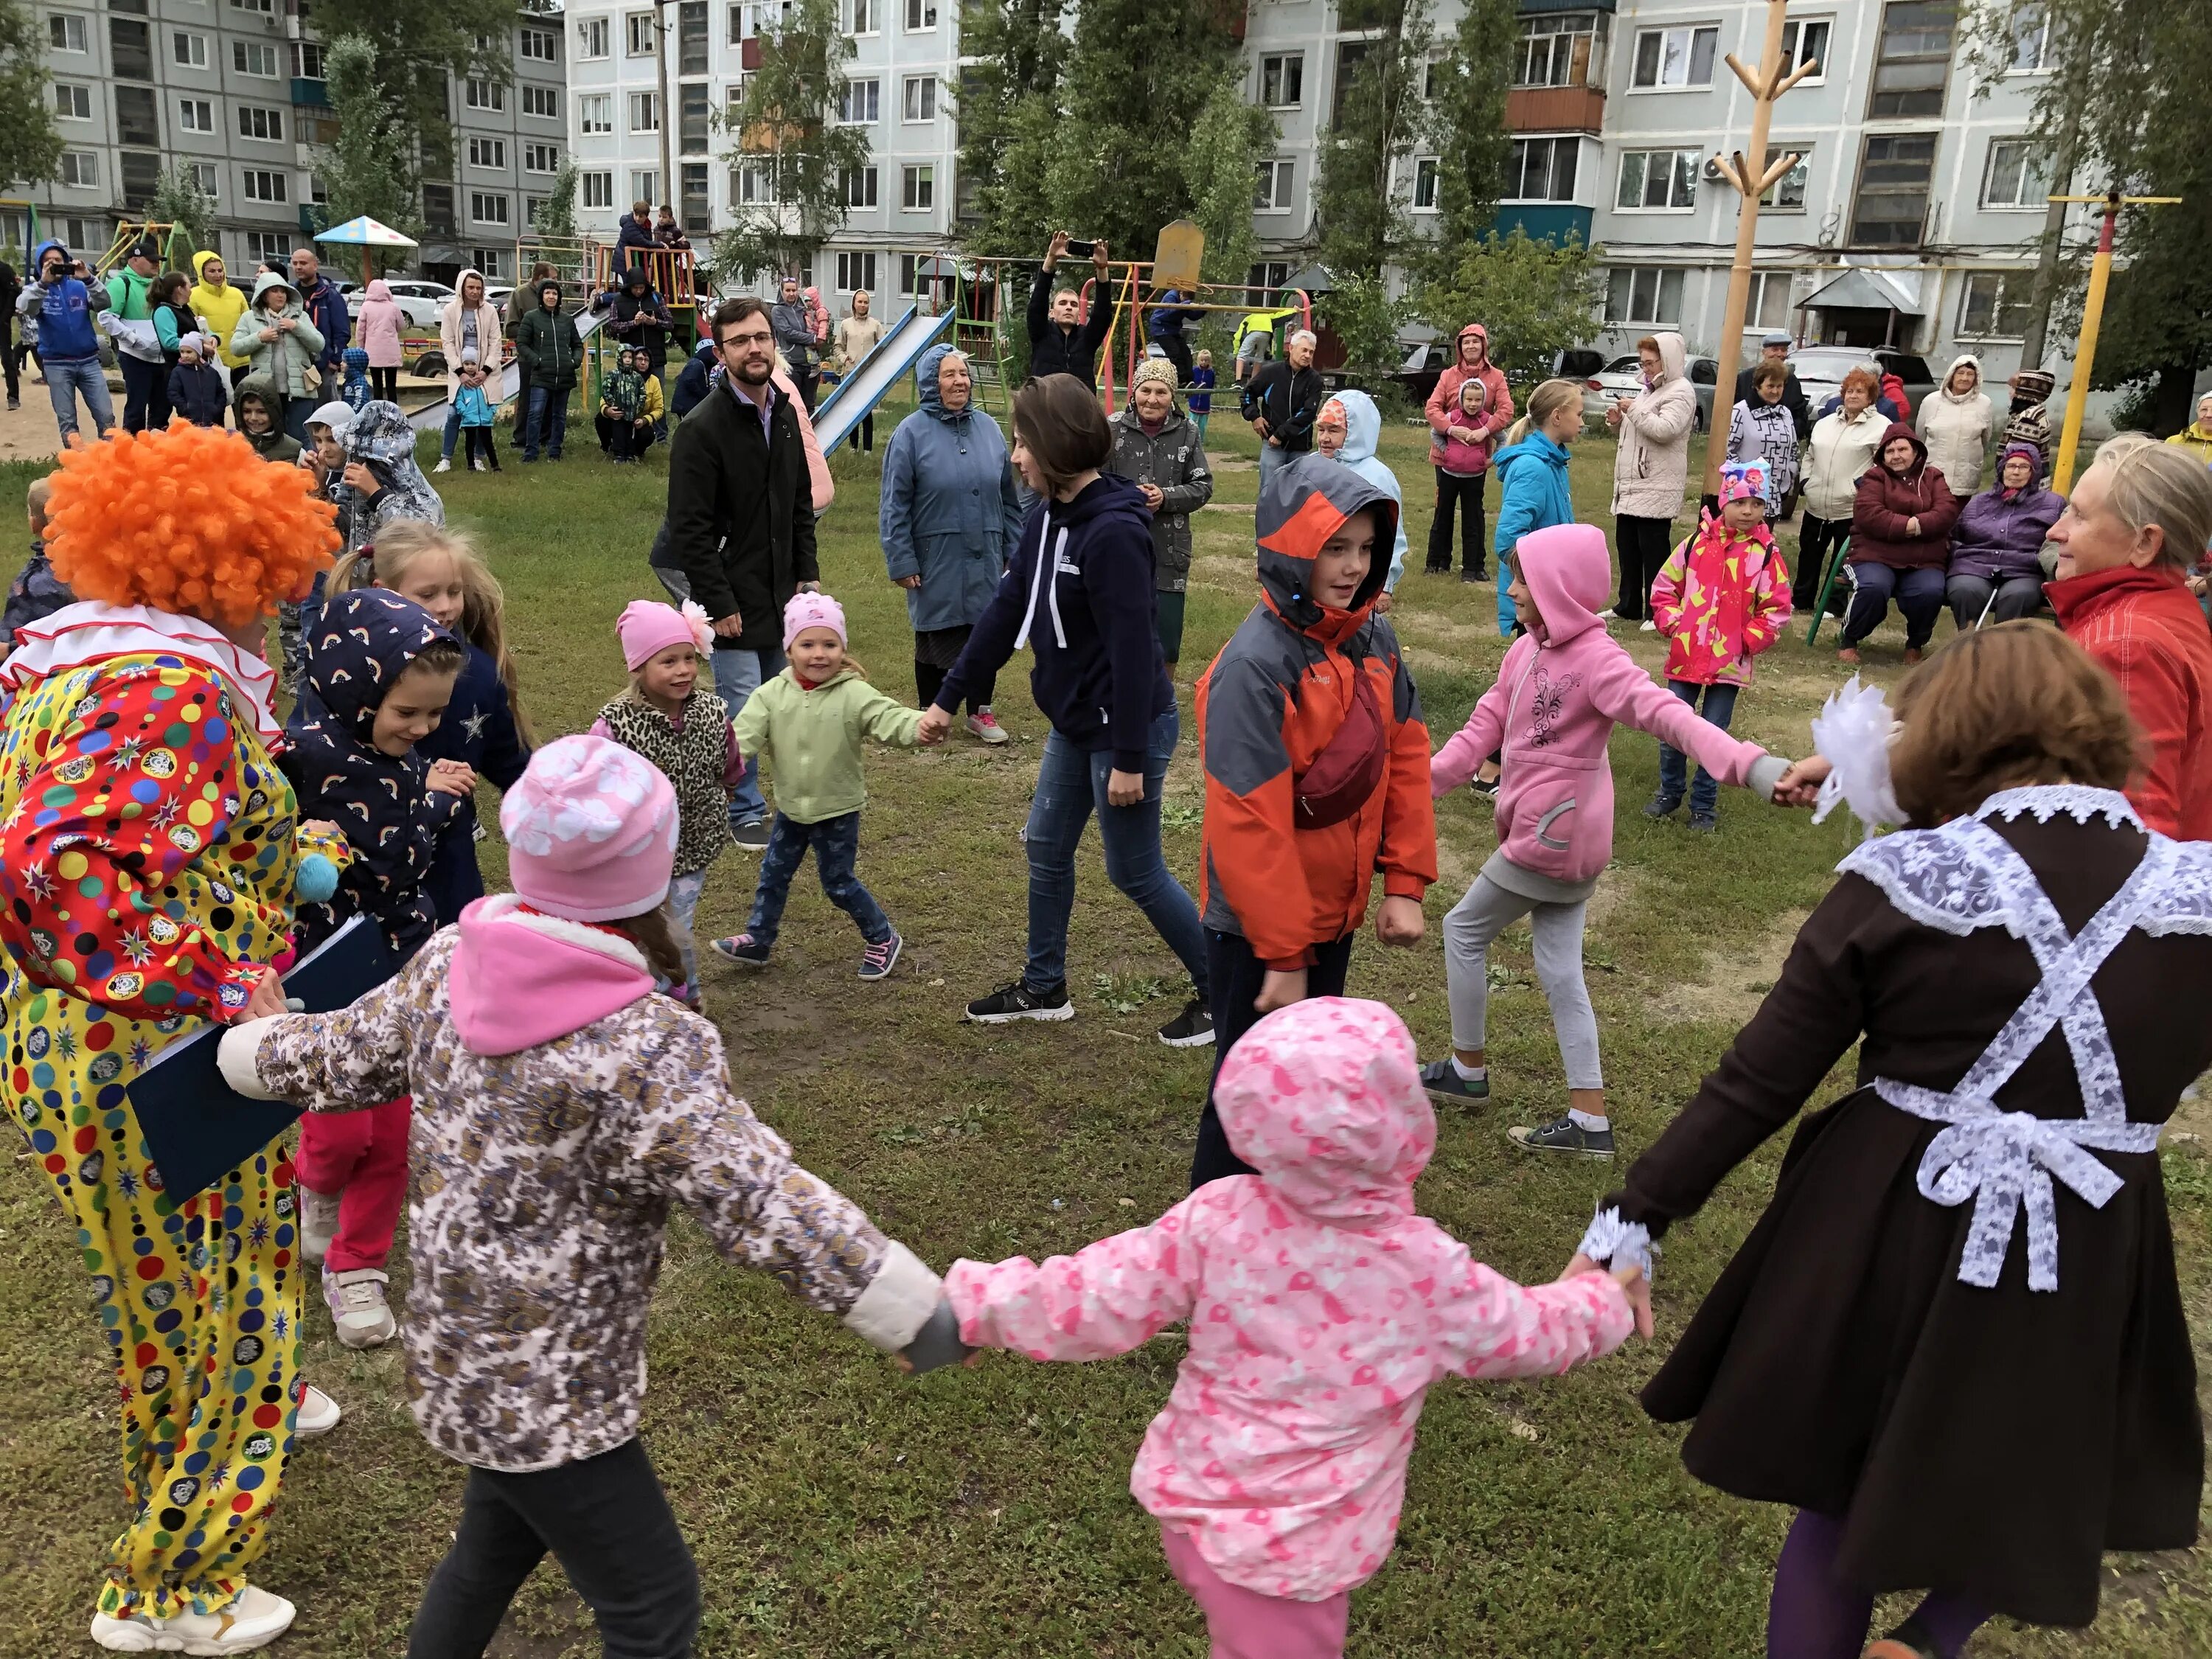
[743, 949]
[1564, 1134]
[751, 835]
[1662, 806]
[1017, 1001]
[878, 960]
[1484, 786]
[1705, 823]
[1191, 1029]
[1447, 1087]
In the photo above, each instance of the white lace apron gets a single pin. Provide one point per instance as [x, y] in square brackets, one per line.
[1965, 876]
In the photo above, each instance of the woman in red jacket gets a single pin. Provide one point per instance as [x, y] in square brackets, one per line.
[1901, 524]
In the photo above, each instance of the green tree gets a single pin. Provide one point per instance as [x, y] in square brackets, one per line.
[1466, 122]
[419, 43]
[557, 215]
[30, 143]
[1535, 299]
[1008, 122]
[369, 167]
[787, 134]
[1360, 313]
[1359, 198]
[179, 201]
[1226, 144]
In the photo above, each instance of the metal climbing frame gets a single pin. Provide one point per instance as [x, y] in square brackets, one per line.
[1128, 307]
[974, 289]
[674, 274]
[176, 246]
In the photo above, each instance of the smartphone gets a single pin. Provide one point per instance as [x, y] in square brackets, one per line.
[1081, 250]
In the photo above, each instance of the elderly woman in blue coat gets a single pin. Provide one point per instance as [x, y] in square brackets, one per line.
[948, 517]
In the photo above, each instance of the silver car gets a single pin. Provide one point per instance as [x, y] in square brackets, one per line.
[1623, 378]
[1821, 371]
[420, 300]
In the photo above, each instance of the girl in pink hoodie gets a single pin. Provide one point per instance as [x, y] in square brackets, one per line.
[1321, 1306]
[380, 322]
[1562, 688]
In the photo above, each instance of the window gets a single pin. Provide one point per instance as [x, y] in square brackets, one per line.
[531, 207]
[318, 191]
[487, 153]
[1433, 75]
[265, 124]
[483, 94]
[638, 31]
[487, 260]
[1350, 55]
[691, 37]
[1283, 80]
[1913, 60]
[2031, 40]
[66, 34]
[1261, 281]
[306, 61]
[194, 115]
[1994, 305]
[187, 50]
[266, 7]
[541, 158]
[644, 184]
[1658, 179]
[487, 207]
[1564, 49]
[2017, 175]
[862, 104]
[592, 38]
[1424, 184]
[598, 190]
[921, 98]
[81, 168]
[252, 57]
[854, 271]
[910, 272]
[595, 112]
[645, 111]
[921, 14]
[72, 103]
[694, 203]
[543, 44]
[130, 54]
[1807, 41]
[1787, 193]
[542, 101]
[1675, 58]
[438, 209]
[263, 185]
[270, 247]
[692, 109]
[137, 119]
[917, 189]
[1644, 294]
[206, 178]
[860, 17]
[1270, 189]
[860, 190]
[1891, 208]
[752, 184]
[483, 42]
[1769, 302]
[1542, 170]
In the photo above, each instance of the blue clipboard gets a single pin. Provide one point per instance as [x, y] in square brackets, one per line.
[197, 1128]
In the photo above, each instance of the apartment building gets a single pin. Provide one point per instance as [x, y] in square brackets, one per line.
[236, 89]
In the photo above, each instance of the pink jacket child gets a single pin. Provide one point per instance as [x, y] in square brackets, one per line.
[1455, 454]
[1471, 361]
[1321, 1306]
[381, 320]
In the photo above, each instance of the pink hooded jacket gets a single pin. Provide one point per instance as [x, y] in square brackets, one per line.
[1443, 409]
[381, 321]
[1320, 1307]
[1561, 690]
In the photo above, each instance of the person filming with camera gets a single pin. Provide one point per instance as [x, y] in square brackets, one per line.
[1061, 341]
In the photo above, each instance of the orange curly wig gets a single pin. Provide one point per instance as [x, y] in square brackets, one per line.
[190, 521]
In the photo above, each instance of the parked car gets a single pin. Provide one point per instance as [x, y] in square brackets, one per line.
[1423, 366]
[420, 298]
[1821, 371]
[1624, 378]
[496, 297]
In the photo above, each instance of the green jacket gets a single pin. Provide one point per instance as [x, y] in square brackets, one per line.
[130, 293]
[811, 739]
[623, 391]
[550, 347]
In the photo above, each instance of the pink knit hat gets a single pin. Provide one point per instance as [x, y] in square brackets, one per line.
[808, 610]
[591, 831]
[648, 628]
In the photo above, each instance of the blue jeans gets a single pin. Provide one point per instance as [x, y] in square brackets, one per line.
[1072, 786]
[683, 905]
[737, 675]
[837, 844]
[1719, 710]
[548, 422]
[1918, 593]
[1271, 461]
[452, 433]
[64, 381]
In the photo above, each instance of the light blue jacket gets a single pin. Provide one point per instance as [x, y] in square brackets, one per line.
[1534, 497]
[1363, 424]
[949, 511]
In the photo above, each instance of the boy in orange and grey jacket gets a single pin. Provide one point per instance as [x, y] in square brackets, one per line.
[1316, 765]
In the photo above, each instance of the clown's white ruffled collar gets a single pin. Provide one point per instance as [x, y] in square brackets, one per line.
[91, 632]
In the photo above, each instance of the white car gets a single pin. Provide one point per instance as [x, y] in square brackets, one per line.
[496, 297]
[420, 300]
[1623, 378]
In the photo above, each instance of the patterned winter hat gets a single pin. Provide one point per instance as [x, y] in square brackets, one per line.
[591, 831]
[808, 610]
[1744, 481]
[1154, 369]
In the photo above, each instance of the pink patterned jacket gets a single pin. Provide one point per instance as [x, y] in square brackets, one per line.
[1320, 1307]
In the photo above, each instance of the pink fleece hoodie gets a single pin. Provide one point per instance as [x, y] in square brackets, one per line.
[1320, 1307]
[1563, 687]
[519, 979]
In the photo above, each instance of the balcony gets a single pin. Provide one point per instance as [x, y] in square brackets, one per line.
[1545, 222]
[315, 94]
[1555, 109]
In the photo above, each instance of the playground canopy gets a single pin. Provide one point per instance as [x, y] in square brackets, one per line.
[365, 233]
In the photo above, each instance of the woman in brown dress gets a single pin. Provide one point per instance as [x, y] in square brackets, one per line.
[1954, 1342]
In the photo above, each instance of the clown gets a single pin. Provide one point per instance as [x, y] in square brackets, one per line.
[148, 858]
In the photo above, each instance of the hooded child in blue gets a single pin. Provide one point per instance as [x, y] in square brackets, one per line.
[1363, 433]
[355, 392]
[1533, 496]
[368, 648]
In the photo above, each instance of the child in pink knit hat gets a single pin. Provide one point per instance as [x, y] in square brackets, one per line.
[671, 715]
[563, 1109]
[810, 723]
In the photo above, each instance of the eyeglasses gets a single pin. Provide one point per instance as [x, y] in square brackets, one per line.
[751, 337]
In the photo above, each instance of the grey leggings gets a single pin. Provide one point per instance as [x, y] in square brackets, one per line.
[1487, 911]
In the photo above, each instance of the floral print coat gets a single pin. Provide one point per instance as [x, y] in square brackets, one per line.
[1720, 598]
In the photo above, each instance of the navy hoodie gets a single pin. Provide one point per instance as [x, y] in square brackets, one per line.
[197, 393]
[1098, 674]
[478, 729]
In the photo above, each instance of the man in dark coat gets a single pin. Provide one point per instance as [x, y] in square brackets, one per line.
[326, 309]
[634, 232]
[1282, 400]
[1775, 346]
[640, 318]
[741, 524]
[11, 289]
[1060, 342]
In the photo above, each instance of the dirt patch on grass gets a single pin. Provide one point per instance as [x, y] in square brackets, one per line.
[1731, 985]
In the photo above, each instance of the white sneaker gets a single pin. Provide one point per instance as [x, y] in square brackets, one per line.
[358, 1307]
[1605, 615]
[318, 1224]
[253, 1619]
[445, 464]
[318, 1413]
[984, 725]
[478, 466]
[1647, 626]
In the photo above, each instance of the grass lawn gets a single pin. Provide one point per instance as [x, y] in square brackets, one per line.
[837, 1510]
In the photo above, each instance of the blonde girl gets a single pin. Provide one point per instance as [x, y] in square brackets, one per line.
[1531, 471]
[484, 728]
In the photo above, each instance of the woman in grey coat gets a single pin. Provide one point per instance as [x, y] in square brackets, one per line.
[949, 516]
[1156, 448]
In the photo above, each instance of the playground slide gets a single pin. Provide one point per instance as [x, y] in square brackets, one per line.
[874, 375]
[432, 416]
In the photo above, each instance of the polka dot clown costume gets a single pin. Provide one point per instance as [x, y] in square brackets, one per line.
[149, 858]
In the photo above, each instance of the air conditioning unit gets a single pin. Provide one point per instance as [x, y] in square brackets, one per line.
[1713, 173]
